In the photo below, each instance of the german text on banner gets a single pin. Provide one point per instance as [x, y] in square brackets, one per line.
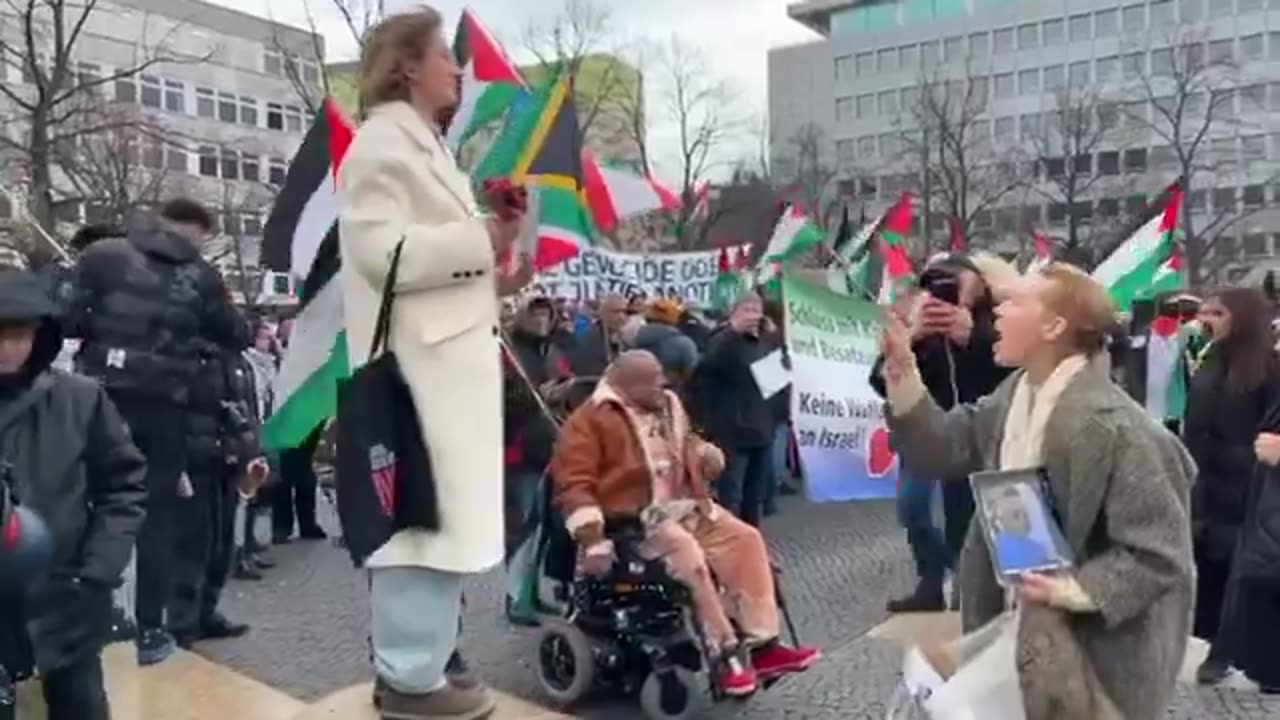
[838, 417]
[595, 272]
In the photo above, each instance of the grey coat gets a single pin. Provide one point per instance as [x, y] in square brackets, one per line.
[1121, 485]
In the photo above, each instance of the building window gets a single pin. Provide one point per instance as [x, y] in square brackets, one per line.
[929, 53]
[1006, 127]
[1191, 10]
[176, 159]
[1029, 126]
[1078, 28]
[205, 105]
[1029, 82]
[1135, 160]
[126, 90]
[1134, 18]
[1224, 199]
[231, 225]
[867, 147]
[864, 64]
[175, 96]
[908, 57]
[249, 111]
[1221, 51]
[272, 63]
[1254, 96]
[230, 164]
[844, 110]
[887, 61]
[153, 154]
[252, 224]
[1251, 47]
[843, 68]
[208, 161]
[1107, 69]
[1162, 13]
[251, 168]
[1003, 41]
[1162, 62]
[1054, 78]
[275, 116]
[979, 45]
[1106, 23]
[866, 106]
[1255, 245]
[151, 94]
[1004, 86]
[1057, 212]
[1109, 208]
[1196, 201]
[1028, 36]
[1163, 157]
[1253, 196]
[1079, 75]
[888, 145]
[1253, 147]
[909, 97]
[293, 119]
[953, 49]
[888, 102]
[227, 108]
[846, 152]
[1135, 65]
[1053, 32]
[311, 74]
[276, 171]
[88, 75]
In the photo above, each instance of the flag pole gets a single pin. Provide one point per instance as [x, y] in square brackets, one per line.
[21, 207]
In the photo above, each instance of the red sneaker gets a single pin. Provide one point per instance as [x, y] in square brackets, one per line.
[737, 679]
[778, 659]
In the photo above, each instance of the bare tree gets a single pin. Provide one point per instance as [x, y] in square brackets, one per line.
[295, 58]
[947, 133]
[580, 41]
[115, 171]
[1187, 100]
[699, 109]
[238, 246]
[806, 173]
[1065, 147]
[59, 101]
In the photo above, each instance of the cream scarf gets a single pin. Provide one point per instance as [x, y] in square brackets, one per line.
[1029, 413]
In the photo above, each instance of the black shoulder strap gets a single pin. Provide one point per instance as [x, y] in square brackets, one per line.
[382, 326]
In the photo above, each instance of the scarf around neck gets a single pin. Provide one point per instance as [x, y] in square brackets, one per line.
[1029, 412]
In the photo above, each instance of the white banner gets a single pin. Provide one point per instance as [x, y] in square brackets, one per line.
[595, 273]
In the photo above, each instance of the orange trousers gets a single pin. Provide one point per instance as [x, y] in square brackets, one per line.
[719, 543]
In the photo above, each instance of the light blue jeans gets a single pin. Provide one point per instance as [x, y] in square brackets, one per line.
[415, 626]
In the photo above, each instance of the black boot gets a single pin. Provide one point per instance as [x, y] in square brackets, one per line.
[927, 597]
[245, 568]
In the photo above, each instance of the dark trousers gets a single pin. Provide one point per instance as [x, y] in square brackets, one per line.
[77, 691]
[928, 544]
[159, 431]
[205, 541]
[295, 496]
[957, 513]
[742, 486]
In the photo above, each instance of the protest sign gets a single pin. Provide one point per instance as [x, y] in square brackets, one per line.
[838, 418]
[595, 272]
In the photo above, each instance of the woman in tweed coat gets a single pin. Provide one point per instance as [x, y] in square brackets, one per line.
[1108, 639]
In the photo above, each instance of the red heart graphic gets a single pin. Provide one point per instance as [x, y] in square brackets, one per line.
[880, 457]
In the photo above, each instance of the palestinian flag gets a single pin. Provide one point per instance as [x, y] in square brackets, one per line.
[1167, 371]
[615, 194]
[301, 238]
[793, 237]
[1141, 267]
[842, 272]
[1043, 253]
[490, 84]
[885, 267]
[728, 284]
[542, 148]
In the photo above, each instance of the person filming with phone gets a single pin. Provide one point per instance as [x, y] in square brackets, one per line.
[951, 321]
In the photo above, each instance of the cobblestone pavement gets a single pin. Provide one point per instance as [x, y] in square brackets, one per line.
[841, 562]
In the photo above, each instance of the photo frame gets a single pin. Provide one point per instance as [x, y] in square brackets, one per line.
[1019, 523]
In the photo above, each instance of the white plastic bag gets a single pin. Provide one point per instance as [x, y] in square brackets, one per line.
[984, 686]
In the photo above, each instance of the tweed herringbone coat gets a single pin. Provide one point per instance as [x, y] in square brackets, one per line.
[1121, 485]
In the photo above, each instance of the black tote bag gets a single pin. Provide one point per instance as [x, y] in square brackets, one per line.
[384, 477]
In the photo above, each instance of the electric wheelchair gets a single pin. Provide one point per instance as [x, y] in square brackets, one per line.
[631, 632]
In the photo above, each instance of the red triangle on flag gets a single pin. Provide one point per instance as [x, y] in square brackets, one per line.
[489, 59]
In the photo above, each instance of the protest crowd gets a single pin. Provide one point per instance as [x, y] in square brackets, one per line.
[1102, 500]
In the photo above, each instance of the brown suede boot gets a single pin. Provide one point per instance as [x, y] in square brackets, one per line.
[448, 703]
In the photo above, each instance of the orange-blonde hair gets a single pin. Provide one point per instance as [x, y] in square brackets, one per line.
[390, 47]
[1083, 303]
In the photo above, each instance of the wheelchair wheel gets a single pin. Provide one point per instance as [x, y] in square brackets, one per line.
[675, 694]
[566, 663]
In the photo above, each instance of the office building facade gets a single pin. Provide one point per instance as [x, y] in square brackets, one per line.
[860, 83]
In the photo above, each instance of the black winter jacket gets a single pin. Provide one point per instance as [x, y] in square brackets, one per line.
[147, 306]
[728, 404]
[1259, 551]
[955, 374]
[69, 458]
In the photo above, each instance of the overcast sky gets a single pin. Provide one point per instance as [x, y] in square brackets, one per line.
[735, 34]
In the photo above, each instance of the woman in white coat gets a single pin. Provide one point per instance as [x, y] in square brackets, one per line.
[401, 183]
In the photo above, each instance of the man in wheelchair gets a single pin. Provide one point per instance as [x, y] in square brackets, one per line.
[629, 452]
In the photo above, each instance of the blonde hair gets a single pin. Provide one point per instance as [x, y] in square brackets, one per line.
[1083, 303]
[997, 273]
[390, 47]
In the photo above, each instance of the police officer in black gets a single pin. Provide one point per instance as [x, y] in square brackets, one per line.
[146, 306]
[222, 440]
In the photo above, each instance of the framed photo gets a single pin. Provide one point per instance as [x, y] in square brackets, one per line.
[1019, 523]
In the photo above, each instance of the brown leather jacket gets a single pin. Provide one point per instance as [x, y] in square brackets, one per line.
[601, 469]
